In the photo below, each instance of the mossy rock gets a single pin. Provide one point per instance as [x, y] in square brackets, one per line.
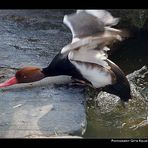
[131, 18]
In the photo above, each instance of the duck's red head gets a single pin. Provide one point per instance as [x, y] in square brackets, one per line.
[24, 75]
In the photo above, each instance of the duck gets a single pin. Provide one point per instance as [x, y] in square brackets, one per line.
[85, 59]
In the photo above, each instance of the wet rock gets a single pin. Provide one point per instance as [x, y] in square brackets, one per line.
[46, 110]
[33, 38]
[130, 17]
[107, 102]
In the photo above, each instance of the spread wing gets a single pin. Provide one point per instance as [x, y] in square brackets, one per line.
[83, 24]
[103, 16]
[91, 27]
[92, 32]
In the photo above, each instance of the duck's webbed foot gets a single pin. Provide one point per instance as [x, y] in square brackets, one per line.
[80, 82]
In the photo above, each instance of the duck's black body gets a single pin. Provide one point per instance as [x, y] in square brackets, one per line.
[61, 65]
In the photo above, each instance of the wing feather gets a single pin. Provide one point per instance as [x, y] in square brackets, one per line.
[103, 16]
[91, 28]
[92, 33]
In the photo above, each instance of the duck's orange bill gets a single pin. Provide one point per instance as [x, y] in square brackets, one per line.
[9, 82]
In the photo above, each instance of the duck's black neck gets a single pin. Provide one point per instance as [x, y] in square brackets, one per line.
[61, 65]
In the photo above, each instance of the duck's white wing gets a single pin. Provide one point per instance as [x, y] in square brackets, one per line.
[98, 75]
[83, 24]
[99, 41]
[92, 32]
[90, 27]
[85, 54]
[103, 16]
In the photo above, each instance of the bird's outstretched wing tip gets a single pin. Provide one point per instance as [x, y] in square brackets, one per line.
[103, 15]
[115, 21]
[64, 49]
[65, 19]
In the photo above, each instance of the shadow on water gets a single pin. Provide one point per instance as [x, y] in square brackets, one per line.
[105, 115]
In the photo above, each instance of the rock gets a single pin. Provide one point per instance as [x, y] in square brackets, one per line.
[130, 17]
[45, 111]
[33, 38]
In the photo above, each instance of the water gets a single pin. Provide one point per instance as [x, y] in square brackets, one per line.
[108, 119]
